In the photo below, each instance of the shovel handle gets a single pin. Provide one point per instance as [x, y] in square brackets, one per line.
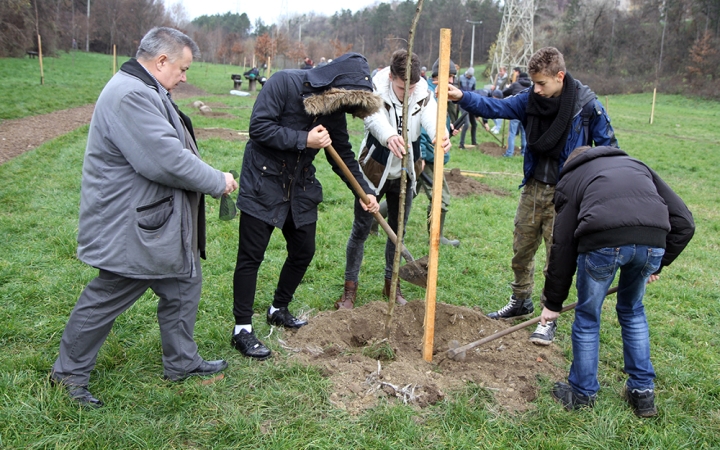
[456, 351]
[365, 199]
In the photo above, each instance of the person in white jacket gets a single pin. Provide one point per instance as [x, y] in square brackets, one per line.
[381, 162]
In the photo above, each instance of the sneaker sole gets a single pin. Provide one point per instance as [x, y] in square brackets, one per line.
[538, 341]
[510, 319]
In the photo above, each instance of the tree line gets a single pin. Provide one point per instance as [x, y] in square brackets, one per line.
[614, 45]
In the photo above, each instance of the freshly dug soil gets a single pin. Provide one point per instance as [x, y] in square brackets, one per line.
[345, 345]
[461, 185]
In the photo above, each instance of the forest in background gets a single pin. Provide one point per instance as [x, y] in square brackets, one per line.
[613, 49]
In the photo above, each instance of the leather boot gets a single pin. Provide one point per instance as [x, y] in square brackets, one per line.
[443, 239]
[399, 299]
[347, 299]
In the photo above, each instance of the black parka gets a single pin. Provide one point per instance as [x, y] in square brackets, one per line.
[278, 175]
[604, 198]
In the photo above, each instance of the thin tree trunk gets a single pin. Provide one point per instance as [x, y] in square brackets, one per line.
[406, 163]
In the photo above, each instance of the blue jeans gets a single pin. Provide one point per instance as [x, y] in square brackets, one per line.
[596, 271]
[516, 125]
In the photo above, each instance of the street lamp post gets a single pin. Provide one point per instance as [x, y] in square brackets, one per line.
[472, 41]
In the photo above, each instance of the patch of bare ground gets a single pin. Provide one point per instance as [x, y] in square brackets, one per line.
[20, 135]
[221, 133]
[344, 345]
[462, 184]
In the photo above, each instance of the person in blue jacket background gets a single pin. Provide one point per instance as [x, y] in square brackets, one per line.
[552, 114]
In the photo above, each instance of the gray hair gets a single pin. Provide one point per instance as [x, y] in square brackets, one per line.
[168, 41]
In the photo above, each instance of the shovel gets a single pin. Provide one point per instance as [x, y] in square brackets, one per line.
[458, 353]
[415, 271]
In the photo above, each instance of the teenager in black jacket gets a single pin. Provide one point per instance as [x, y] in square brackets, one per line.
[613, 212]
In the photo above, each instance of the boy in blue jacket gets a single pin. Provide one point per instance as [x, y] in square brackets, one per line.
[550, 112]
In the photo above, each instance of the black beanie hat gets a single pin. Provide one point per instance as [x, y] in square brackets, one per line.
[435, 68]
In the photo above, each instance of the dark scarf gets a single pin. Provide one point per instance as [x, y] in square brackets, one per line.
[549, 119]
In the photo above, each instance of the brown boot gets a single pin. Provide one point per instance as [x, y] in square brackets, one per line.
[399, 299]
[347, 300]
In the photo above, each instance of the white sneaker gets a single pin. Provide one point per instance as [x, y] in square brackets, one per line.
[495, 131]
[544, 334]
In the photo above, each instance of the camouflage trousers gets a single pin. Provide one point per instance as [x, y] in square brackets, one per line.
[534, 222]
[429, 171]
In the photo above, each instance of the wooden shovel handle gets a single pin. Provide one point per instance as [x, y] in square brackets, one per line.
[365, 199]
[456, 351]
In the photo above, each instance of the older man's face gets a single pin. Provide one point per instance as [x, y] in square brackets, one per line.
[171, 73]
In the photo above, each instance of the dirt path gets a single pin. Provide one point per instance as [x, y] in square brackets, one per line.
[20, 135]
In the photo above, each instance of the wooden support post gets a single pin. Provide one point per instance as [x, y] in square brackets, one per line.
[652, 110]
[607, 105]
[267, 74]
[42, 72]
[114, 59]
[442, 99]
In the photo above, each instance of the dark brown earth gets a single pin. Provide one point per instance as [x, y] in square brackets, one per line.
[340, 343]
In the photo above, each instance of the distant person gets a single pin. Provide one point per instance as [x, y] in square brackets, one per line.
[307, 64]
[467, 83]
[322, 62]
[552, 115]
[290, 123]
[523, 82]
[613, 213]
[514, 75]
[497, 93]
[375, 71]
[252, 74]
[500, 79]
[381, 161]
[423, 72]
[428, 155]
[142, 215]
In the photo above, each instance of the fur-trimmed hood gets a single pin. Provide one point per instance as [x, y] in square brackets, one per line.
[358, 103]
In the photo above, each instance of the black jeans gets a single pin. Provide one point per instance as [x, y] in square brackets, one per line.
[253, 241]
[362, 222]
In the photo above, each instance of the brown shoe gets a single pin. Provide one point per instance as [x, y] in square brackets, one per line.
[399, 299]
[347, 300]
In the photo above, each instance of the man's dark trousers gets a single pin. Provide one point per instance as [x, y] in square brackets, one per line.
[254, 238]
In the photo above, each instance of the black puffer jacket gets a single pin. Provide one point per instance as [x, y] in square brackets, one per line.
[604, 198]
[278, 174]
[523, 82]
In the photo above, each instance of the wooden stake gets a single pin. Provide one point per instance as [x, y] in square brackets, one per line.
[442, 99]
[42, 72]
[652, 111]
[114, 59]
[607, 105]
[267, 73]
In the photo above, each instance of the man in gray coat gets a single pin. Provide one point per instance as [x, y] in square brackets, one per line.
[142, 215]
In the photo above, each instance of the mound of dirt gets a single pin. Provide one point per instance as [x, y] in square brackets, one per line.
[345, 345]
[221, 133]
[187, 90]
[490, 148]
[462, 186]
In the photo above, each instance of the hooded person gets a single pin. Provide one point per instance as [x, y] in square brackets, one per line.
[551, 115]
[297, 113]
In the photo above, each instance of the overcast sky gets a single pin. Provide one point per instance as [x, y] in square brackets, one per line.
[269, 10]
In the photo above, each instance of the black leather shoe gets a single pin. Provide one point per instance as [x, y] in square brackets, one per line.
[205, 368]
[283, 318]
[80, 394]
[249, 345]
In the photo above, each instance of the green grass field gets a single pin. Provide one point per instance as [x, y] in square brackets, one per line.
[278, 404]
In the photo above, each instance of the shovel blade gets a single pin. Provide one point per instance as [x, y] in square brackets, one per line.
[415, 272]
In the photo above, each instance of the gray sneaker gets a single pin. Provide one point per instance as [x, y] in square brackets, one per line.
[544, 334]
[515, 309]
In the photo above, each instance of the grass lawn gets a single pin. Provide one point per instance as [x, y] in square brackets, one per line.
[279, 404]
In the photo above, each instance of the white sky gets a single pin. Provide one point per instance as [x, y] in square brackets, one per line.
[269, 10]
